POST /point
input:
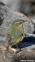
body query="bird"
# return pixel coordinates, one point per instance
(14, 33)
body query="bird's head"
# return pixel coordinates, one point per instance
(18, 22)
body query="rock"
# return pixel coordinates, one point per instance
(27, 53)
(7, 17)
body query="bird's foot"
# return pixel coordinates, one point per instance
(7, 48)
(18, 50)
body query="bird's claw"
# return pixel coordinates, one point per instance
(18, 50)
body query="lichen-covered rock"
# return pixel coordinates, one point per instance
(27, 53)
(7, 16)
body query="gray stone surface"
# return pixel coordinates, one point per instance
(8, 16)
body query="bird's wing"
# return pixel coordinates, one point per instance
(16, 36)
(14, 33)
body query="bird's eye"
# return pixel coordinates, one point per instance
(19, 22)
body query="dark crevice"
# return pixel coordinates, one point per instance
(34, 32)
(1, 3)
(1, 21)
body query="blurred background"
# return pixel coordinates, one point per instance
(26, 7)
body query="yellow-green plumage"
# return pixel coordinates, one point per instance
(15, 31)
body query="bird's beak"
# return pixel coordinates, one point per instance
(22, 21)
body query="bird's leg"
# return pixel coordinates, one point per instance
(18, 49)
(34, 29)
(7, 48)
(9, 38)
